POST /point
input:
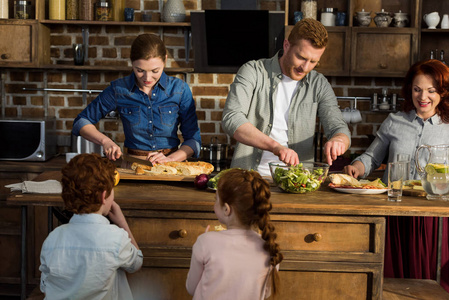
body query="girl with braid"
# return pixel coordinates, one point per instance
(237, 263)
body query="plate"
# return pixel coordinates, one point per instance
(361, 191)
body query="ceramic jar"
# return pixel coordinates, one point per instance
(363, 18)
(432, 19)
(174, 11)
(400, 19)
(445, 22)
(382, 19)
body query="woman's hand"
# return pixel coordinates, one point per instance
(355, 170)
(112, 150)
(158, 158)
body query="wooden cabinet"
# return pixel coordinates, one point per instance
(25, 43)
(31, 49)
(334, 251)
(366, 51)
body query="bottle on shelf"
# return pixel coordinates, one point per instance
(4, 9)
(442, 56)
(432, 54)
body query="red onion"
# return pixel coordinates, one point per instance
(201, 181)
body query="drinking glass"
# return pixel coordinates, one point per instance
(405, 158)
(396, 173)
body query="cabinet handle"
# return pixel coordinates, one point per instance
(317, 237)
(383, 66)
(5, 56)
(182, 233)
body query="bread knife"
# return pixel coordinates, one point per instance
(133, 159)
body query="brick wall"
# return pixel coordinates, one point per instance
(110, 45)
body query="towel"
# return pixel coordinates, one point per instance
(37, 187)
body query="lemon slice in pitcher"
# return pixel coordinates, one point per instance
(430, 169)
(439, 168)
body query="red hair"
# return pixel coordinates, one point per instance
(439, 72)
(84, 179)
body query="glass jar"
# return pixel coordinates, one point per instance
(72, 10)
(22, 9)
(103, 11)
(309, 8)
(86, 10)
(4, 8)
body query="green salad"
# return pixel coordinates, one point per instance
(298, 180)
(213, 182)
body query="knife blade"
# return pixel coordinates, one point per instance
(133, 159)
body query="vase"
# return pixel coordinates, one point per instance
(174, 11)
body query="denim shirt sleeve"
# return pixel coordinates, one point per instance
(189, 121)
(97, 109)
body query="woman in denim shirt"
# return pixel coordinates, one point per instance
(151, 105)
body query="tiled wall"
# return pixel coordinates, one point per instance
(109, 45)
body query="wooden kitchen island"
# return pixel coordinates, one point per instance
(333, 243)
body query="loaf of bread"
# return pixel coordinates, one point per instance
(174, 168)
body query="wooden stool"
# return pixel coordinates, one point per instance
(406, 289)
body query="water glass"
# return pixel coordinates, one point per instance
(397, 171)
(405, 158)
(78, 54)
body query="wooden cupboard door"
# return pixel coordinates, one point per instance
(336, 58)
(12, 48)
(377, 53)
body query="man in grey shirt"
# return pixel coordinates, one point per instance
(273, 104)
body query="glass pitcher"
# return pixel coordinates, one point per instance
(435, 174)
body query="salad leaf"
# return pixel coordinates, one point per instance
(213, 182)
(297, 179)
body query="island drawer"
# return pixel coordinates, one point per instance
(331, 238)
(171, 230)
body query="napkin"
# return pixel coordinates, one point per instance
(37, 187)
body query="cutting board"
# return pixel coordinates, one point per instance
(128, 174)
(415, 193)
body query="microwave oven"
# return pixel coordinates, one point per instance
(27, 139)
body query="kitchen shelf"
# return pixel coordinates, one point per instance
(111, 23)
(438, 30)
(97, 68)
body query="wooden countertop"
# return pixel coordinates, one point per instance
(53, 164)
(182, 196)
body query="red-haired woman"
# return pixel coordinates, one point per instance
(411, 247)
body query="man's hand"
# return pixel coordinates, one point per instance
(286, 155)
(332, 149)
(336, 146)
